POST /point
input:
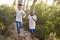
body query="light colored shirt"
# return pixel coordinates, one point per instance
(32, 23)
(19, 14)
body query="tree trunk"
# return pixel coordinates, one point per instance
(27, 4)
(58, 1)
(24, 4)
(20, 1)
(33, 8)
(14, 3)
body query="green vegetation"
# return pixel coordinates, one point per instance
(6, 19)
(48, 20)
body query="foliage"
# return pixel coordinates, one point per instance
(48, 20)
(6, 19)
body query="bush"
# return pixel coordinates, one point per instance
(48, 20)
(6, 19)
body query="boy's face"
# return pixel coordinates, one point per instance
(19, 7)
(32, 14)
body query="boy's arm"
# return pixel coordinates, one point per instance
(35, 19)
(24, 15)
(14, 13)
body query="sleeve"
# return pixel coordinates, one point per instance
(23, 12)
(35, 17)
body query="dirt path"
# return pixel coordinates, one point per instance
(24, 33)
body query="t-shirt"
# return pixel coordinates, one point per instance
(19, 14)
(32, 23)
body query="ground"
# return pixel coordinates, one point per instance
(24, 33)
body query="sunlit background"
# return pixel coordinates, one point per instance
(10, 2)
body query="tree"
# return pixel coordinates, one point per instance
(58, 1)
(6, 20)
(33, 5)
(48, 20)
(19, 2)
(24, 4)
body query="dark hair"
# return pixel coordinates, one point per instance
(32, 11)
(19, 4)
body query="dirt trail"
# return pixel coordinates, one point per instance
(23, 32)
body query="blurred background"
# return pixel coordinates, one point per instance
(48, 14)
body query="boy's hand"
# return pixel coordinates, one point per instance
(14, 15)
(34, 19)
(24, 15)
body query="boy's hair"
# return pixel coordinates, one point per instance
(19, 4)
(32, 11)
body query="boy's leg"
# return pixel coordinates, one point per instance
(18, 27)
(19, 24)
(32, 33)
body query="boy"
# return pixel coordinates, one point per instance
(32, 23)
(19, 13)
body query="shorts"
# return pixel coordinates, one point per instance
(32, 30)
(19, 24)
